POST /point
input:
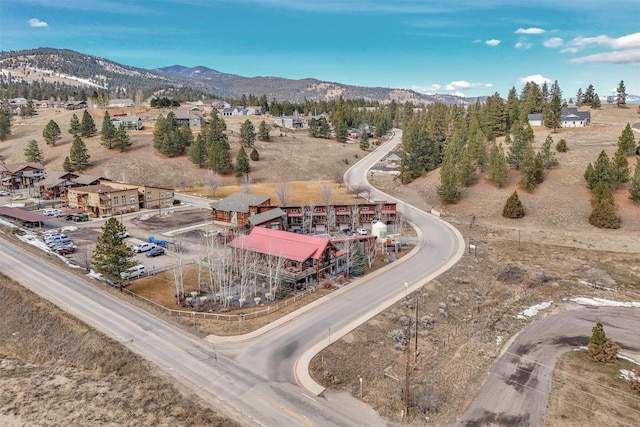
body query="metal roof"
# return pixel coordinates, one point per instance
(239, 202)
(22, 215)
(284, 244)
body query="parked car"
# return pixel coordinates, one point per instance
(80, 217)
(51, 212)
(4, 193)
(52, 237)
(143, 247)
(362, 231)
(69, 217)
(58, 241)
(133, 272)
(158, 250)
(66, 250)
(123, 234)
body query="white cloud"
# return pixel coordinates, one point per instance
(570, 50)
(535, 78)
(492, 42)
(630, 56)
(35, 22)
(530, 31)
(462, 84)
(523, 45)
(458, 93)
(553, 42)
(427, 90)
(625, 42)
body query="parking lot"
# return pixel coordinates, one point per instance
(184, 227)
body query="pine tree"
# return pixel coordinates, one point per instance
(220, 158)
(87, 126)
(67, 166)
(121, 140)
(498, 170)
(552, 112)
(51, 133)
(198, 151)
(596, 104)
(579, 97)
(530, 170)
(600, 171)
(448, 190)
(242, 163)
(314, 131)
(626, 140)
(513, 208)
(522, 141)
(112, 256)
(254, 156)
(364, 140)
(634, 186)
(621, 99)
(108, 131)
(561, 146)
(32, 152)
(5, 123)
(263, 132)
(340, 129)
(601, 192)
(604, 215)
(358, 261)
(28, 110)
(325, 130)
(589, 96)
(548, 157)
(79, 155)
(601, 348)
(466, 169)
(247, 134)
(74, 125)
(620, 171)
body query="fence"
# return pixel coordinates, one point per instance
(218, 316)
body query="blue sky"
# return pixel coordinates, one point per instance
(464, 47)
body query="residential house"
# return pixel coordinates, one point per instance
(191, 116)
(236, 209)
(291, 122)
(126, 122)
(272, 218)
(123, 103)
(392, 159)
(76, 105)
(56, 183)
(16, 176)
(254, 110)
(307, 259)
(570, 117)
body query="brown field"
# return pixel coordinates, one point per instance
(543, 256)
(591, 393)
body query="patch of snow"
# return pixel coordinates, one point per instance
(584, 282)
(499, 339)
(601, 302)
(627, 358)
(625, 374)
(533, 310)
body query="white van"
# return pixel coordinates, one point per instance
(51, 212)
(134, 272)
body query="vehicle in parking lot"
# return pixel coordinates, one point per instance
(143, 247)
(4, 193)
(133, 272)
(123, 234)
(362, 231)
(158, 250)
(66, 250)
(52, 237)
(51, 212)
(80, 217)
(59, 241)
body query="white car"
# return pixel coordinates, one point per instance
(4, 193)
(51, 212)
(362, 231)
(143, 247)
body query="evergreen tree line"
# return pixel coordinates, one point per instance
(607, 174)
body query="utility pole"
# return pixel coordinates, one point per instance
(415, 360)
(406, 376)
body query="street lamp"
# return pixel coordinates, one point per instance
(360, 378)
(406, 289)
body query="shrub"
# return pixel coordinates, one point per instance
(513, 208)
(561, 146)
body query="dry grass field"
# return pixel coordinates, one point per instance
(469, 310)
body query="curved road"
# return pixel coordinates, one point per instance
(257, 383)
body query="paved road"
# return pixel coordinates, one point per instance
(257, 384)
(517, 389)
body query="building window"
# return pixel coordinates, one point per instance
(124, 199)
(149, 195)
(132, 198)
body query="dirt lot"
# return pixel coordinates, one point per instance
(469, 312)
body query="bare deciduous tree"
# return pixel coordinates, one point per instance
(283, 192)
(326, 190)
(246, 184)
(213, 181)
(361, 191)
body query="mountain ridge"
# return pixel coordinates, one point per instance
(82, 69)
